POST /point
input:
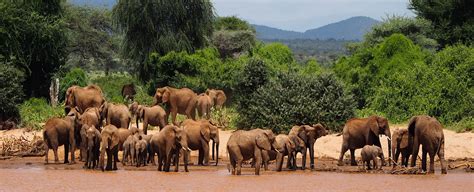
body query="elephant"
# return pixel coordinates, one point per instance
(129, 150)
(203, 106)
(401, 144)
(182, 101)
(128, 92)
(218, 97)
(58, 132)
(167, 144)
(154, 116)
(198, 134)
(359, 132)
(285, 147)
(90, 117)
(428, 132)
(370, 153)
(309, 134)
(109, 144)
(83, 98)
(245, 145)
(300, 147)
(116, 114)
(93, 139)
(141, 151)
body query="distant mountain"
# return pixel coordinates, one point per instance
(353, 28)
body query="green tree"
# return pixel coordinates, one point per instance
(161, 26)
(32, 38)
(233, 36)
(277, 56)
(76, 76)
(11, 92)
(453, 20)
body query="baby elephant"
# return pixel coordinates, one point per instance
(141, 151)
(92, 147)
(370, 153)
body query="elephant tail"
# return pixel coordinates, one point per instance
(46, 139)
(228, 164)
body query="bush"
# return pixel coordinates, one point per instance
(277, 56)
(36, 111)
(292, 99)
(112, 84)
(11, 92)
(254, 75)
(75, 76)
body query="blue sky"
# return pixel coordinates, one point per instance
(300, 15)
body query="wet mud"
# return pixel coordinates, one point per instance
(31, 174)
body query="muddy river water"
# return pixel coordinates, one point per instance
(32, 175)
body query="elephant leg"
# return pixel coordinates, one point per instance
(303, 160)
(414, 155)
(55, 151)
(205, 152)
(258, 161)
(423, 159)
(200, 157)
(176, 161)
(124, 156)
(311, 156)
(66, 153)
(160, 162)
(233, 164)
(168, 162)
(432, 158)
(279, 162)
(115, 159)
(353, 161)
(397, 154)
(174, 112)
(46, 149)
(109, 160)
(145, 125)
(344, 149)
(441, 158)
(239, 159)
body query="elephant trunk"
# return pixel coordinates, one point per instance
(217, 153)
(389, 151)
(213, 144)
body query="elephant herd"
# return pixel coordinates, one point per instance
(99, 129)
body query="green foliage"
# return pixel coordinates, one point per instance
(161, 27)
(233, 36)
(76, 76)
(254, 75)
(11, 93)
(36, 111)
(226, 117)
(93, 42)
(311, 67)
(452, 20)
(277, 56)
(112, 84)
(292, 99)
(32, 41)
(416, 29)
(466, 124)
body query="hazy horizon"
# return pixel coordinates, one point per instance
(301, 15)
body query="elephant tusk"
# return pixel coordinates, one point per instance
(389, 139)
(189, 149)
(277, 151)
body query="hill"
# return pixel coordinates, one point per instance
(353, 28)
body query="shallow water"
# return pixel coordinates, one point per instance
(34, 176)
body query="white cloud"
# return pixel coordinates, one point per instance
(300, 15)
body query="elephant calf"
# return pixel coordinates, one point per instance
(370, 153)
(109, 144)
(141, 151)
(245, 145)
(129, 150)
(93, 140)
(284, 147)
(401, 144)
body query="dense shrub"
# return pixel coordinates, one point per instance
(76, 76)
(11, 92)
(36, 111)
(254, 75)
(277, 56)
(293, 99)
(112, 87)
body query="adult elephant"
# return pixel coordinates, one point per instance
(359, 132)
(218, 97)
(154, 116)
(309, 134)
(182, 101)
(401, 144)
(245, 145)
(428, 132)
(83, 98)
(116, 114)
(203, 106)
(167, 144)
(199, 133)
(57, 132)
(110, 145)
(128, 92)
(90, 117)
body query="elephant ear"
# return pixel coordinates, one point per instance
(404, 140)
(141, 111)
(290, 145)
(395, 137)
(166, 95)
(205, 132)
(263, 142)
(115, 138)
(221, 98)
(374, 125)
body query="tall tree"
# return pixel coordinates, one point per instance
(453, 20)
(32, 38)
(233, 36)
(161, 26)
